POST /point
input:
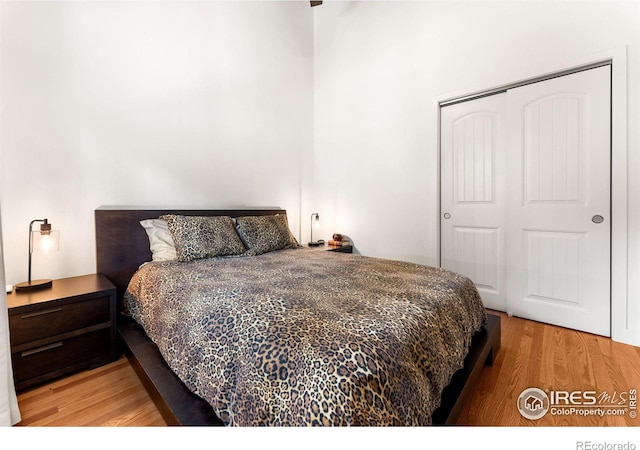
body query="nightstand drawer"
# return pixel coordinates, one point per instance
(54, 320)
(60, 357)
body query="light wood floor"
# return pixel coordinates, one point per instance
(111, 395)
(532, 355)
(551, 358)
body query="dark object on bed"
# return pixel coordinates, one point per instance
(122, 246)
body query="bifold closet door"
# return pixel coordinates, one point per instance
(525, 199)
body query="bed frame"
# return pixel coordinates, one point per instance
(122, 246)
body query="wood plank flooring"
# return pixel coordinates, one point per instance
(554, 359)
(532, 355)
(111, 395)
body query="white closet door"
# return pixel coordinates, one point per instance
(525, 199)
(559, 201)
(473, 194)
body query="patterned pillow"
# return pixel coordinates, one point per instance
(262, 234)
(199, 237)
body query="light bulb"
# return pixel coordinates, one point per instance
(46, 243)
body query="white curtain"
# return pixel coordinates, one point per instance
(9, 412)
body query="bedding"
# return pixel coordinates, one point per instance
(298, 337)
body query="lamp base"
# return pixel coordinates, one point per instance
(33, 284)
(315, 244)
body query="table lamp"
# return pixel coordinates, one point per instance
(46, 240)
(315, 223)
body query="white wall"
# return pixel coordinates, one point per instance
(148, 103)
(246, 103)
(381, 67)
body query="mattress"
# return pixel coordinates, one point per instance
(299, 337)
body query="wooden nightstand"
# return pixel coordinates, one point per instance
(68, 327)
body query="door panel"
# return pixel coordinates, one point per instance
(553, 264)
(476, 256)
(554, 138)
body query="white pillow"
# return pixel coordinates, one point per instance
(160, 241)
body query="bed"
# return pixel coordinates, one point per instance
(294, 336)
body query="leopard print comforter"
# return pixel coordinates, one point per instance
(300, 337)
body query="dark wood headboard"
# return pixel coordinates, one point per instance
(122, 244)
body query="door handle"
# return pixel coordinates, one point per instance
(597, 219)
(447, 216)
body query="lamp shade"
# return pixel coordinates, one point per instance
(46, 242)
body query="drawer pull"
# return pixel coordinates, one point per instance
(41, 313)
(44, 348)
